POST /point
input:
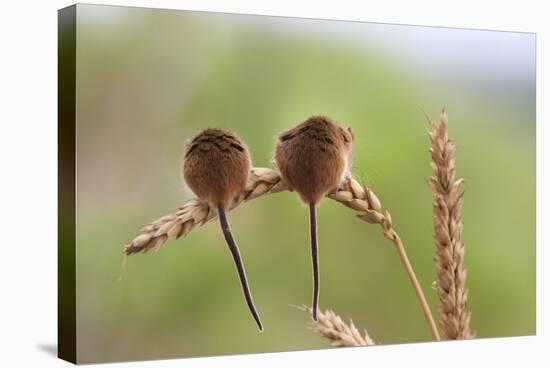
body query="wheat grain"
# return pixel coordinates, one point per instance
(332, 327)
(449, 258)
(195, 213)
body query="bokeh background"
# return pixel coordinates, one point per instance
(149, 79)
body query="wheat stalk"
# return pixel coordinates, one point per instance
(265, 181)
(195, 213)
(361, 198)
(449, 258)
(332, 327)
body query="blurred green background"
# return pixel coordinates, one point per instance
(149, 79)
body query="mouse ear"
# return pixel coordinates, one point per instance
(351, 132)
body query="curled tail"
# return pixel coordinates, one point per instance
(314, 258)
(226, 229)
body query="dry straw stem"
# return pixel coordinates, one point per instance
(449, 257)
(265, 181)
(332, 327)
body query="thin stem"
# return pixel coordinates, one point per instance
(416, 285)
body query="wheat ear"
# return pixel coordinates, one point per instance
(449, 257)
(195, 213)
(265, 181)
(332, 327)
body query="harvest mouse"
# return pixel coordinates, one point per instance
(314, 158)
(216, 167)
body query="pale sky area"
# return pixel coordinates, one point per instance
(507, 58)
(495, 55)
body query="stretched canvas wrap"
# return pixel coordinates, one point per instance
(234, 184)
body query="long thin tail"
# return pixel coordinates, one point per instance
(226, 229)
(314, 258)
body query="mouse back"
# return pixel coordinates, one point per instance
(314, 157)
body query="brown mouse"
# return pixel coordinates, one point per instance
(216, 167)
(314, 158)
